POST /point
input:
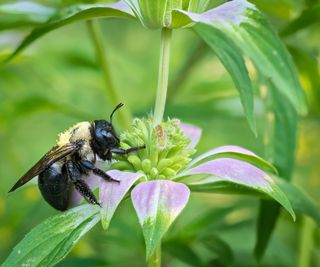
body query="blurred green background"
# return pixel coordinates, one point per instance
(56, 82)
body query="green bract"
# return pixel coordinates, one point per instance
(158, 13)
(166, 153)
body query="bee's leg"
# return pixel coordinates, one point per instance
(84, 190)
(121, 151)
(87, 164)
(104, 176)
(90, 166)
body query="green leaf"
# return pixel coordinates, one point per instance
(183, 251)
(300, 201)
(310, 76)
(269, 211)
(307, 18)
(73, 14)
(267, 218)
(219, 247)
(52, 240)
(23, 14)
(230, 56)
(240, 23)
(281, 122)
(281, 130)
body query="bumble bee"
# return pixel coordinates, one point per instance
(75, 154)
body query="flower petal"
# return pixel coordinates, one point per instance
(112, 193)
(224, 174)
(236, 152)
(92, 181)
(192, 132)
(157, 204)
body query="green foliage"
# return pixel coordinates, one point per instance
(52, 240)
(230, 56)
(56, 83)
(306, 19)
(70, 15)
(15, 15)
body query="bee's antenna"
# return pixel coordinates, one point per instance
(116, 108)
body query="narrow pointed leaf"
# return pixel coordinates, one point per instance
(307, 18)
(301, 202)
(183, 251)
(267, 219)
(192, 132)
(282, 135)
(231, 57)
(235, 176)
(112, 193)
(52, 240)
(269, 212)
(235, 152)
(240, 23)
(72, 14)
(157, 204)
(23, 14)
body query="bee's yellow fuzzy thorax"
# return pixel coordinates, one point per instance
(79, 131)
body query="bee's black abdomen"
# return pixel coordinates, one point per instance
(55, 188)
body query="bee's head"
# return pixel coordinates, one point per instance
(104, 136)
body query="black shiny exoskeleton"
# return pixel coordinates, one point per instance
(74, 157)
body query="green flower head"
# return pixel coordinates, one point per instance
(166, 153)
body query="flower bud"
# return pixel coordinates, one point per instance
(135, 161)
(146, 165)
(169, 173)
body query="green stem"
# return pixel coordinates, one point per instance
(306, 242)
(100, 50)
(163, 76)
(155, 259)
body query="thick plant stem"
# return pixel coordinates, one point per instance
(97, 39)
(155, 259)
(306, 242)
(163, 76)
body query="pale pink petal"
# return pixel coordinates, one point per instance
(222, 149)
(192, 132)
(235, 152)
(111, 193)
(157, 204)
(225, 174)
(233, 170)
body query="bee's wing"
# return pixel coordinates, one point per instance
(55, 154)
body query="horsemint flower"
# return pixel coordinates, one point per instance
(163, 174)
